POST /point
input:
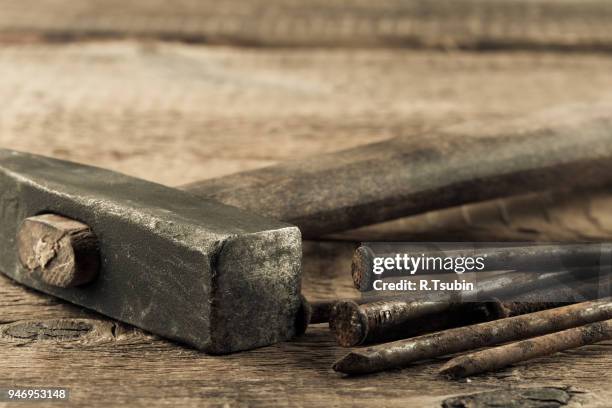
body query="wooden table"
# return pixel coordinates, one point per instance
(175, 113)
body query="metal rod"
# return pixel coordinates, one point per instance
(390, 319)
(353, 324)
(532, 257)
(403, 352)
(502, 356)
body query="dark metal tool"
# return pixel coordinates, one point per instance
(189, 269)
(222, 279)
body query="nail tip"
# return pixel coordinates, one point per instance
(452, 372)
(343, 365)
(352, 363)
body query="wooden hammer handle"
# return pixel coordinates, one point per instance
(471, 162)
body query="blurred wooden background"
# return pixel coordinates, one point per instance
(178, 91)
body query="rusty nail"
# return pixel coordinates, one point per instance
(401, 317)
(533, 257)
(403, 352)
(499, 357)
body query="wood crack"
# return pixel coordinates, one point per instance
(540, 397)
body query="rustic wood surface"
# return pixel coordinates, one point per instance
(444, 24)
(177, 113)
(566, 215)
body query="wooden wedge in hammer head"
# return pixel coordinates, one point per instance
(190, 269)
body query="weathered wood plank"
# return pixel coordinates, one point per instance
(471, 24)
(567, 215)
(197, 112)
(110, 363)
(193, 112)
(217, 111)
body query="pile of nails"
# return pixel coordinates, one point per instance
(410, 330)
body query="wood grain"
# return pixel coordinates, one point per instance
(539, 397)
(63, 251)
(176, 113)
(194, 112)
(444, 24)
(110, 362)
(566, 215)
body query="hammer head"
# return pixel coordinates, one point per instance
(193, 270)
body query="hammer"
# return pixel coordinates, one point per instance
(183, 264)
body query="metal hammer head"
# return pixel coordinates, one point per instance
(189, 269)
